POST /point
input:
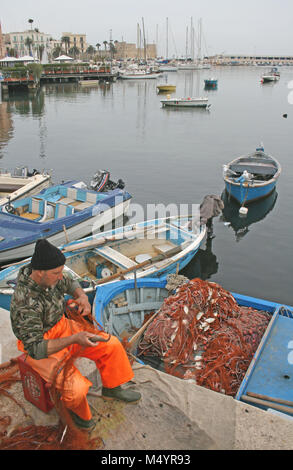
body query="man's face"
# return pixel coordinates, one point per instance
(50, 277)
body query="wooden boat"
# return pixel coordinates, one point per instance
(121, 309)
(251, 177)
(267, 381)
(149, 248)
(272, 76)
(186, 102)
(21, 183)
(166, 88)
(60, 213)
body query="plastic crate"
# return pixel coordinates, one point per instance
(35, 388)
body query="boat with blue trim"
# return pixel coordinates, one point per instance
(59, 213)
(251, 177)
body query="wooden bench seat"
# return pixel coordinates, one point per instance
(116, 257)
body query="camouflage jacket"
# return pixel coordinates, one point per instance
(34, 310)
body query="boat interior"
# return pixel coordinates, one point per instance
(131, 308)
(261, 168)
(112, 258)
(55, 203)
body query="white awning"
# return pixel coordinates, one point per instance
(63, 58)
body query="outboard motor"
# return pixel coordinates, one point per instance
(101, 182)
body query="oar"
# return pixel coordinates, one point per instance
(160, 257)
(132, 342)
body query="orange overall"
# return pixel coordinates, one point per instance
(110, 358)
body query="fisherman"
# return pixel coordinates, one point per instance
(46, 335)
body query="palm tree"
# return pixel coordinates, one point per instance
(29, 42)
(74, 51)
(31, 22)
(90, 51)
(40, 49)
(66, 41)
(57, 51)
(98, 45)
(105, 44)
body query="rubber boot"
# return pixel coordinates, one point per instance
(118, 393)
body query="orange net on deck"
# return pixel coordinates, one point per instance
(201, 333)
(64, 436)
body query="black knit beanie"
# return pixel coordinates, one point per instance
(46, 256)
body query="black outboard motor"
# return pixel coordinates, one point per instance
(101, 182)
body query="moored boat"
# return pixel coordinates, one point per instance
(61, 213)
(211, 83)
(166, 88)
(272, 76)
(251, 177)
(186, 102)
(21, 183)
(149, 248)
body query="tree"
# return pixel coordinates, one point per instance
(29, 42)
(66, 41)
(98, 45)
(90, 51)
(74, 51)
(105, 44)
(57, 51)
(40, 50)
(31, 22)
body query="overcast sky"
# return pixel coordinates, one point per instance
(229, 26)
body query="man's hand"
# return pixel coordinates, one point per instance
(83, 338)
(84, 307)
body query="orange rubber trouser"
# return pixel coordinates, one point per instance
(110, 358)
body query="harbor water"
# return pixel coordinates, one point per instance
(173, 156)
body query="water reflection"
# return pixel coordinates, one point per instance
(204, 264)
(6, 126)
(256, 212)
(25, 103)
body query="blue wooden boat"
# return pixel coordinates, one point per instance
(121, 308)
(211, 83)
(268, 381)
(150, 248)
(251, 177)
(60, 213)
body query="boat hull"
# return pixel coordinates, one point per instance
(185, 103)
(247, 194)
(76, 231)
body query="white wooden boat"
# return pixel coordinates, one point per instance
(151, 248)
(186, 102)
(139, 75)
(272, 76)
(21, 183)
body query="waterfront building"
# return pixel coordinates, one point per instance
(74, 40)
(2, 44)
(30, 42)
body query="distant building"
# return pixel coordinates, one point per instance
(75, 40)
(126, 50)
(2, 44)
(250, 60)
(17, 42)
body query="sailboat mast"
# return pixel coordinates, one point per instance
(167, 54)
(144, 44)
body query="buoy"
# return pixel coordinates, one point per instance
(243, 211)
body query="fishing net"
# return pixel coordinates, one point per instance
(64, 436)
(201, 333)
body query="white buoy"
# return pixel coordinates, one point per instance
(243, 211)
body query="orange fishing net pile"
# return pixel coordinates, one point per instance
(201, 333)
(64, 436)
